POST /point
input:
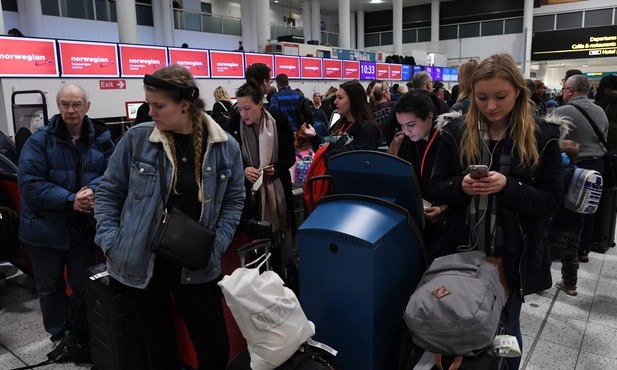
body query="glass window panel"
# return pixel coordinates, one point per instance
(10, 6)
(424, 34)
(409, 36)
(297, 32)
(371, 39)
(192, 21)
(544, 23)
(387, 38)
(600, 17)
(469, 30)
(211, 24)
(449, 32)
(105, 10)
(514, 25)
(49, 7)
(569, 20)
(79, 9)
(144, 15)
(492, 28)
(206, 8)
(232, 26)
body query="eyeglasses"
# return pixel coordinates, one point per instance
(76, 106)
(567, 88)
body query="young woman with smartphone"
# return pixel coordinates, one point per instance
(505, 212)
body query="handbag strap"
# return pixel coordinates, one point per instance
(161, 174)
(594, 126)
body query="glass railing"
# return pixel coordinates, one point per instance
(205, 22)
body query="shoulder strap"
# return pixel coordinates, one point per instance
(593, 125)
(161, 174)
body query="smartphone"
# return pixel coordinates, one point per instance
(477, 171)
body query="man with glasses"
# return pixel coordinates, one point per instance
(423, 81)
(60, 167)
(575, 90)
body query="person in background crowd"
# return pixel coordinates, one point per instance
(540, 97)
(465, 71)
(569, 73)
(369, 92)
(423, 81)
(316, 100)
(454, 95)
(564, 232)
(575, 92)
(394, 94)
(539, 105)
(60, 168)
(222, 100)
(142, 114)
(504, 213)
(327, 103)
(202, 172)
(606, 98)
(383, 105)
(15, 33)
(356, 118)
(286, 101)
(592, 91)
(417, 143)
(267, 152)
(185, 45)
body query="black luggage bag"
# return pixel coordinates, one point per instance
(114, 339)
(604, 222)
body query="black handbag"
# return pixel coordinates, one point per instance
(609, 175)
(179, 237)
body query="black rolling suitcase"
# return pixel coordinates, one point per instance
(604, 222)
(114, 339)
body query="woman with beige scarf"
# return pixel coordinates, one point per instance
(267, 153)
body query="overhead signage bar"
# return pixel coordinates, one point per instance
(88, 59)
(137, 60)
(289, 65)
(590, 42)
(227, 64)
(252, 58)
(26, 57)
(311, 68)
(196, 61)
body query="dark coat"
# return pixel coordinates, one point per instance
(287, 158)
(51, 172)
(529, 198)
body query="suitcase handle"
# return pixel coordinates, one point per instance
(254, 246)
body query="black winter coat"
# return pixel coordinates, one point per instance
(529, 198)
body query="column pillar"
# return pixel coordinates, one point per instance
(397, 26)
(307, 26)
(30, 18)
(2, 30)
(343, 24)
(248, 26)
(157, 22)
(167, 25)
(127, 21)
(316, 20)
(434, 26)
(527, 33)
(360, 29)
(352, 28)
(262, 17)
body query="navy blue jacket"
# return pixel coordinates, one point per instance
(529, 198)
(51, 172)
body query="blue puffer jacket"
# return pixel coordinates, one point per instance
(50, 174)
(128, 206)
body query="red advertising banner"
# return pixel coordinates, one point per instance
(351, 69)
(333, 68)
(227, 64)
(287, 65)
(383, 71)
(396, 72)
(196, 61)
(88, 59)
(136, 61)
(20, 56)
(267, 59)
(311, 67)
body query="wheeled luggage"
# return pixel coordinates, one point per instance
(114, 339)
(604, 222)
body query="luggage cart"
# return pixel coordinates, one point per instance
(30, 116)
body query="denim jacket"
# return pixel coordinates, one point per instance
(129, 206)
